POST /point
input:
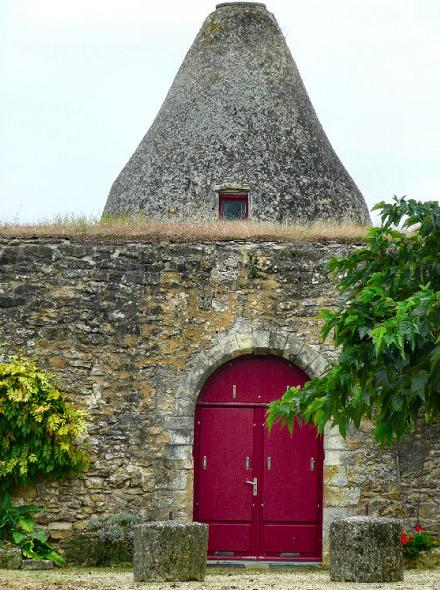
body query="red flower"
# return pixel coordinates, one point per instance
(419, 529)
(403, 539)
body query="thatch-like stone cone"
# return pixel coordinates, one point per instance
(237, 118)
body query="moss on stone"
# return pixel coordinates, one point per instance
(172, 551)
(105, 541)
(10, 558)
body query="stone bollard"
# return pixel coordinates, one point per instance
(170, 551)
(10, 558)
(37, 564)
(365, 549)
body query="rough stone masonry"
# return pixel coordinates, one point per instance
(237, 118)
(132, 329)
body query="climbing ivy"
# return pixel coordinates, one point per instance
(387, 325)
(39, 428)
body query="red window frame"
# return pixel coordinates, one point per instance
(228, 197)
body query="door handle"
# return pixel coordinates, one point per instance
(254, 484)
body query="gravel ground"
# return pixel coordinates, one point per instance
(245, 579)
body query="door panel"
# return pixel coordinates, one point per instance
(282, 538)
(225, 499)
(230, 537)
(291, 474)
(251, 379)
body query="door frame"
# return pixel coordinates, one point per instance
(259, 522)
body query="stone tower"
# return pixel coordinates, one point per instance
(237, 136)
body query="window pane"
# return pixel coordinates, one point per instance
(234, 209)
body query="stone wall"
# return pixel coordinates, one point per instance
(131, 330)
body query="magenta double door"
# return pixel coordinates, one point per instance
(260, 493)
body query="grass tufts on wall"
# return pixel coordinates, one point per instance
(174, 231)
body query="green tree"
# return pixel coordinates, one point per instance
(39, 429)
(387, 325)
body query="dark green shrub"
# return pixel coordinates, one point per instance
(18, 527)
(422, 541)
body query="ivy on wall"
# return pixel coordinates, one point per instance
(40, 431)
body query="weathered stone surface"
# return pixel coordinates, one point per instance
(10, 558)
(37, 564)
(365, 549)
(135, 352)
(237, 117)
(104, 541)
(170, 551)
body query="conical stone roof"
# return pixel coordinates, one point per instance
(237, 118)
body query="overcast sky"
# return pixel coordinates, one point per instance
(82, 80)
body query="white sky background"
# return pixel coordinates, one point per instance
(82, 80)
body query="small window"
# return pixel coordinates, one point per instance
(233, 207)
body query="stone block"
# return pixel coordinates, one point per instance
(106, 540)
(365, 549)
(60, 526)
(180, 437)
(10, 558)
(261, 340)
(318, 367)
(37, 564)
(305, 357)
(334, 442)
(335, 496)
(170, 551)
(57, 535)
(24, 492)
(293, 347)
(245, 342)
(334, 457)
(335, 476)
(184, 407)
(277, 342)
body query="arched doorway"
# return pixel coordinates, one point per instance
(260, 493)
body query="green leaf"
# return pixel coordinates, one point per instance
(418, 384)
(26, 524)
(18, 536)
(378, 335)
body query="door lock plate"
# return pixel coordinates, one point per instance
(254, 484)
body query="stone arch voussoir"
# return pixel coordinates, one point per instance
(246, 337)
